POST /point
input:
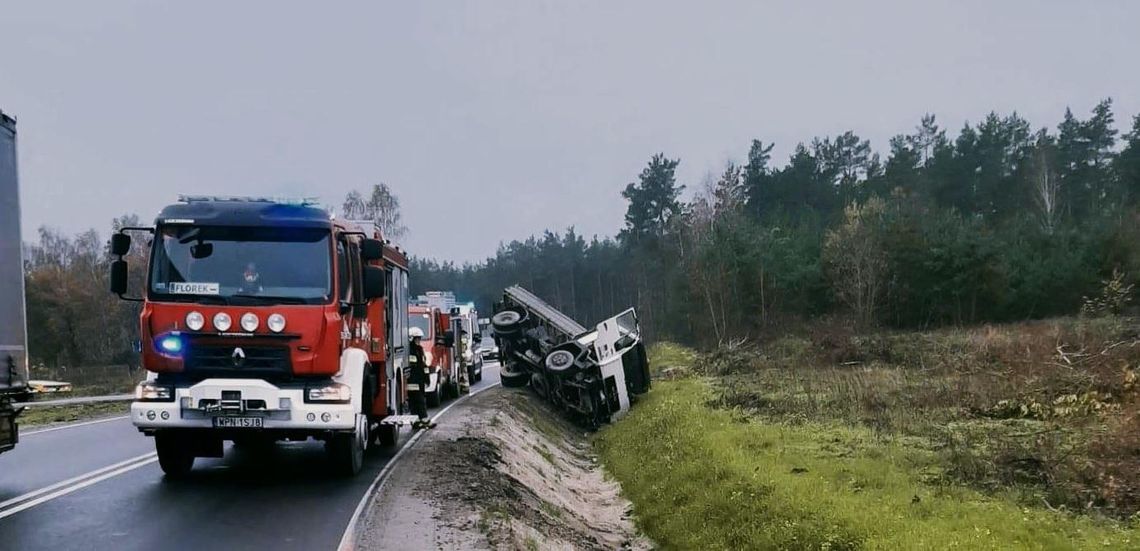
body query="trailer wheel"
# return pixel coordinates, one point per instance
(510, 379)
(174, 456)
(346, 450)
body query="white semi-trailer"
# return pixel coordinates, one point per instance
(13, 341)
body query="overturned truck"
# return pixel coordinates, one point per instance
(591, 374)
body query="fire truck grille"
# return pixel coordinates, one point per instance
(238, 361)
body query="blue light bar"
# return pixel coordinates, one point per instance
(294, 201)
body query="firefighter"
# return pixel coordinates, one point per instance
(419, 377)
(464, 361)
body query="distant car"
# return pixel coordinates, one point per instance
(489, 349)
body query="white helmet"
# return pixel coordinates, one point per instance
(416, 332)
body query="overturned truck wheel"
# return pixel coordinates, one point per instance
(513, 379)
(508, 322)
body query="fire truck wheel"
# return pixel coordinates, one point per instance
(511, 379)
(387, 435)
(435, 398)
(346, 451)
(174, 456)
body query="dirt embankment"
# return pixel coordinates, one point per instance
(500, 472)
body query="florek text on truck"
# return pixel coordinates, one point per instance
(591, 374)
(13, 345)
(267, 320)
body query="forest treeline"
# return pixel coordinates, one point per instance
(998, 222)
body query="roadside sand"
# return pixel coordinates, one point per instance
(500, 472)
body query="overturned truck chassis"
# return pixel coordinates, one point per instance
(592, 374)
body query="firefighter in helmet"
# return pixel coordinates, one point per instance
(418, 377)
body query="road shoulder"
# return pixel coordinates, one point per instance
(499, 472)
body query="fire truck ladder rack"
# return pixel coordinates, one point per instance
(548, 313)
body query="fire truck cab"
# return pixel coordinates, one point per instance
(437, 344)
(267, 320)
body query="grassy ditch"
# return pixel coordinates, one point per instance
(36, 416)
(957, 439)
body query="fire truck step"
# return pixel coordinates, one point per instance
(399, 420)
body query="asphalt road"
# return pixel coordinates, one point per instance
(94, 486)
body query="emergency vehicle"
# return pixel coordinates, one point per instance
(438, 345)
(267, 319)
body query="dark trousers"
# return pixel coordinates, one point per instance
(418, 401)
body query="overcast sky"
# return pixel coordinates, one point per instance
(495, 120)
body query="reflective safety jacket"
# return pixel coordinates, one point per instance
(419, 371)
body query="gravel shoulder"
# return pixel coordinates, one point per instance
(500, 472)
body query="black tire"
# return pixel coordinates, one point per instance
(510, 379)
(559, 361)
(174, 456)
(346, 452)
(435, 398)
(387, 435)
(508, 322)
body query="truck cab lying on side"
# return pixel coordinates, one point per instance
(267, 320)
(591, 374)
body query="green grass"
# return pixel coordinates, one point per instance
(667, 355)
(47, 415)
(702, 477)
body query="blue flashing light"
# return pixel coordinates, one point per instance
(170, 344)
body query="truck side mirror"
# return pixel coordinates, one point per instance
(119, 273)
(120, 244)
(373, 282)
(371, 249)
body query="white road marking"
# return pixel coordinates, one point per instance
(58, 489)
(74, 425)
(347, 540)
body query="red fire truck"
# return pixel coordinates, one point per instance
(267, 320)
(438, 343)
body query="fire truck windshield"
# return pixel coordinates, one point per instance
(242, 265)
(423, 321)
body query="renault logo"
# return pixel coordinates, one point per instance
(238, 356)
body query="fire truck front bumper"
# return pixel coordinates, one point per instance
(241, 404)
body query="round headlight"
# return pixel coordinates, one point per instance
(249, 322)
(276, 323)
(222, 321)
(195, 321)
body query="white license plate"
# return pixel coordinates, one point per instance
(237, 422)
